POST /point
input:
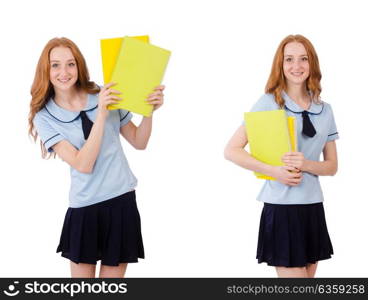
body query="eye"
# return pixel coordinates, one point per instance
(71, 64)
(288, 59)
(54, 65)
(304, 58)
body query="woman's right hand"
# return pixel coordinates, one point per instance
(106, 97)
(287, 175)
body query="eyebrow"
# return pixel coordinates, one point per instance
(293, 55)
(54, 60)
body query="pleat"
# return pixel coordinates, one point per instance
(75, 235)
(88, 239)
(293, 235)
(64, 238)
(261, 237)
(114, 237)
(314, 237)
(104, 220)
(326, 249)
(109, 231)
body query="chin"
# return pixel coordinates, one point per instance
(64, 87)
(297, 80)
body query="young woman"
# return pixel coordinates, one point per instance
(293, 234)
(69, 113)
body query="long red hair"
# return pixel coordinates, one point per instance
(42, 89)
(276, 81)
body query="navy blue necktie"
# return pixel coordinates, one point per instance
(86, 124)
(308, 128)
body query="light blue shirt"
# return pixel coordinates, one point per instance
(309, 190)
(111, 175)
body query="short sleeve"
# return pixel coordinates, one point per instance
(265, 102)
(125, 117)
(48, 135)
(332, 133)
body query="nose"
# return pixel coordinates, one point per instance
(64, 70)
(296, 64)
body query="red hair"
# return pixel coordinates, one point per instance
(276, 81)
(42, 89)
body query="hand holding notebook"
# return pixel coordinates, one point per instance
(138, 69)
(271, 134)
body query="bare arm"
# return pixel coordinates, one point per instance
(84, 159)
(139, 136)
(236, 153)
(327, 167)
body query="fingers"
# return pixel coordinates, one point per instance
(154, 102)
(295, 179)
(290, 168)
(112, 91)
(115, 97)
(109, 102)
(155, 95)
(156, 98)
(107, 86)
(108, 95)
(159, 88)
(293, 176)
(298, 175)
(293, 161)
(109, 92)
(290, 175)
(293, 184)
(111, 97)
(291, 155)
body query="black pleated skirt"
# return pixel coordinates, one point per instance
(293, 235)
(109, 231)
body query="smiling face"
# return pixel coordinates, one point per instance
(63, 69)
(295, 64)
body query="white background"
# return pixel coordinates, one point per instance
(199, 213)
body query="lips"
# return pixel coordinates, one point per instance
(64, 80)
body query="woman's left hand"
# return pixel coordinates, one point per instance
(157, 97)
(294, 159)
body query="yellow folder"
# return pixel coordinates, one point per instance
(110, 49)
(270, 134)
(139, 68)
(292, 133)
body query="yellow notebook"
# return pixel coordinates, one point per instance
(110, 49)
(292, 133)
(270, 134)
(139, 68)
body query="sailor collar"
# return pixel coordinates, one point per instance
(67, 116)
(314, 109)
